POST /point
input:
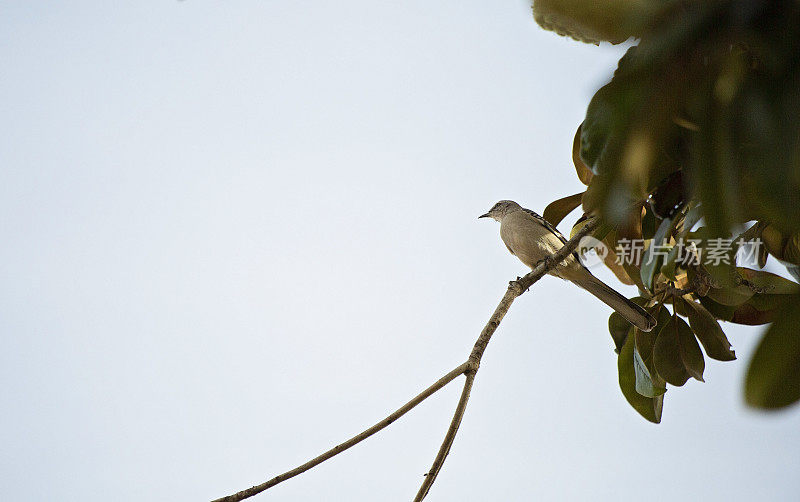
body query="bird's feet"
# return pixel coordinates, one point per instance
(544, 262)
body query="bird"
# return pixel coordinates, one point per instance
(531, 238)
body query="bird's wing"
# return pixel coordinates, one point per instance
(546, 224)
(553, 230)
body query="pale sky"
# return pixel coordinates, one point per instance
(236, 233)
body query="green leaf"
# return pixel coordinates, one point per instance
(709, 332)
(649, 224)
(693, 215)
(794, 270)
(646, 340)
(692, 356)
(651, 262)
(648, 382)
(666, 358)
(634, 272)
(773, 378)
(791, 251)
(582, 20)
(668, 268)
(718, 256)
(649, 407)
(774, 241)
(749, 315)
(718, 310)
(766, 302)
(584, 173)
(713, 179)
(644, 382)
(769, 282)
(615, 262)
(558, 209)
(605, 117)
(619, 329)
(767, 134)
(732, 296)
(676, 354)
(602, 118)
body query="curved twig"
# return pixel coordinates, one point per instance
(469, 367)
(458, 371)
(438, 462)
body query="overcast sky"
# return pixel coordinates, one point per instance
(236, 233)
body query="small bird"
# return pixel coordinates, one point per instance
(531, 238)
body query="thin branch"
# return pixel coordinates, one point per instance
(438, 462)
(350, 442)
(470, 368)
(668, 289)
(515, 289)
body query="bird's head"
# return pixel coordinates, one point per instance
(501, 209)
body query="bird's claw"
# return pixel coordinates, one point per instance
(518, 285)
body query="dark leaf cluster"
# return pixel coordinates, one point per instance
(696, 138)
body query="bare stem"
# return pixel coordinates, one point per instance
(438, 462)
(350, 442)
(470, 368)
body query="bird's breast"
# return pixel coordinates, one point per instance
(528, 239)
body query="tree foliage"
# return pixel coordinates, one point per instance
(696, 139)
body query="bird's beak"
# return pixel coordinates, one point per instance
(483, 216)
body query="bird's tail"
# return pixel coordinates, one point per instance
(635, 314)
